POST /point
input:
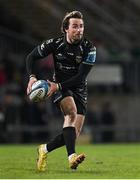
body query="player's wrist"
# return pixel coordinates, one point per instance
(59, 86)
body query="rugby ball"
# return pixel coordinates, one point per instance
(39, 91)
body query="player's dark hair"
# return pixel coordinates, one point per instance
(67, 17)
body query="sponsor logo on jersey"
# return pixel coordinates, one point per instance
(69, 53)
(62, 67)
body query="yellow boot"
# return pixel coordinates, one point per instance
(75, 160)
(42, 158)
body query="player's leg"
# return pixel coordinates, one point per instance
(68, 107)
(59, 141)
(67, 137)
(56, 142)
(81, 104)
(69, 132)
(76, 160)
(69, 110)
(63, 99)
(44, 149)
(78, 124)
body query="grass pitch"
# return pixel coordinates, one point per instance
(107, 161)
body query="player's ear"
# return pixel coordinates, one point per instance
(66, 30)
(66, 27)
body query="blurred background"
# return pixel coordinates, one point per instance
(114, 82)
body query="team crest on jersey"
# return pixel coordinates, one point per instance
(78, 59)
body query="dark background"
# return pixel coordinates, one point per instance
(114, 83)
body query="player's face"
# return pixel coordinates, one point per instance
(75, 30)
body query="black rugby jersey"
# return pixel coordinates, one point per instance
(72, 62)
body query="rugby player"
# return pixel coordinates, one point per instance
(74, 56)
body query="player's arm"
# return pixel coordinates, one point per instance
(84, 70)
(30, 63)
(38, 53)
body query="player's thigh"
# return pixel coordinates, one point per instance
(79, 123)
(68, 105)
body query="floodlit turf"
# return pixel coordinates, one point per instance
(103, 161)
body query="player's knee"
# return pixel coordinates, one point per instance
(70, 118)
(72, 115)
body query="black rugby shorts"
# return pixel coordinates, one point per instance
(80, 97)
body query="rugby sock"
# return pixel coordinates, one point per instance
(69, 138)
(70, 156)
(55, 143)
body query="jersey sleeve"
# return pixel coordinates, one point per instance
(46, 48)
(90, 57)
(38, 52)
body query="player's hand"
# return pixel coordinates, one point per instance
(53, 88)
(32, 80)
